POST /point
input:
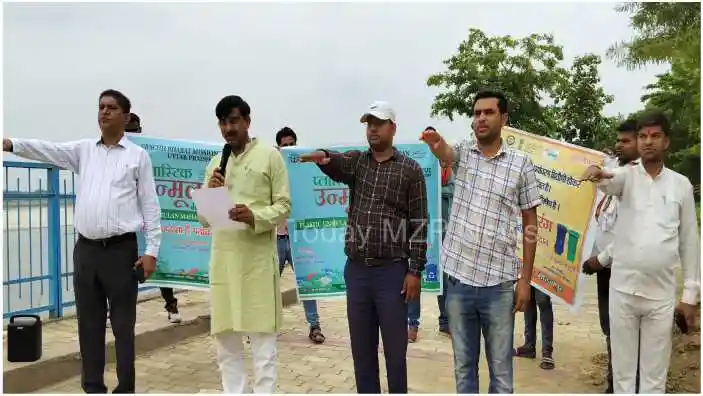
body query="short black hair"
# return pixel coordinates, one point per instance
(654, 118)
(502, 100)
(430, 128)
(285, 132)
(228, 103)
(627, 126)
(133, 117)
(119, 97)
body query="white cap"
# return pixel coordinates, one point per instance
(381, 110)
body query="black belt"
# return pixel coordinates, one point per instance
(282, 236)
(375, 261)
(109, 241)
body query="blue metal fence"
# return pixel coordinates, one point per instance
(38, 201)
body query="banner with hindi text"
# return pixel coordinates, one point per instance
(564, 240)
(179, 168)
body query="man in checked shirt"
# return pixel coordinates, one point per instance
(386, 246)
(493, 184)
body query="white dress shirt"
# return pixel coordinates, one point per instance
(115, 193)
(655, 232)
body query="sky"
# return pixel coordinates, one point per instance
(315, 67)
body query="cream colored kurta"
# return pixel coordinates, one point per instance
(244, 274)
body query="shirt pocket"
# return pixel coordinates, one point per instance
(125, 176)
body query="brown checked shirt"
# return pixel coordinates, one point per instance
(388, 217)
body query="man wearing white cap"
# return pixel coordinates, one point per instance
(388, 208)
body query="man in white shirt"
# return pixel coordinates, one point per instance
(115, 198)
(656, 230)
(605, 216)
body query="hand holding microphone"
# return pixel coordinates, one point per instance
(218, 175)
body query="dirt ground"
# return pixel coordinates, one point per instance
(684, 370)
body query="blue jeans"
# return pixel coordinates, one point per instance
(414, 308)
(284, 254)
(546, 318)
(488, 310)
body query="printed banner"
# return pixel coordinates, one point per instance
(565, 214)
(318, 221)
(179, 168)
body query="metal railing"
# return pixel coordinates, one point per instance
(38, 201)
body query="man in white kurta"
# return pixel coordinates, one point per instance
(656, 231)
(605, 218)
(244, 279)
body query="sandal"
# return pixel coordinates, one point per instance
(547, 362)
(525, 352)
(316, 335)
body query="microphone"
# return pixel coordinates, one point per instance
(226, 152)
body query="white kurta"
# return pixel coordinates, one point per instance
(656, 231)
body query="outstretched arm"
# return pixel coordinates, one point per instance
(63, 155)
(341, 166)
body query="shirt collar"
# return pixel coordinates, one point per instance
(252, 142)
(640, 168)
(501, 149)
(122, 143)
(393, 157)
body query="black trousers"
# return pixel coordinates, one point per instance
(104, 271)
(170, 300)
(374, 300)
(603, 282)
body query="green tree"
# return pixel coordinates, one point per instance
(665, 32)
(669, 33)
(582, 101)
(544, 97)
(526, 69)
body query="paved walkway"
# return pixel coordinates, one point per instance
(190, 366)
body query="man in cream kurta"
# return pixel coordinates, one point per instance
(244, 281)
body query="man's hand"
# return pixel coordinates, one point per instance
(6, 145)
(591, 266)
(411, 287)
(431, 138)
(522, 295)
(216, 180)
(319, 157)
(688, 311)
(148, 263)
(595, 173)
(242, 214)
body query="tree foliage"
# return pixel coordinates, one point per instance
(582, 101)
(670, 33)
(544, 97)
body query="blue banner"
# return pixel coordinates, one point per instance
(179, 168)
(318, 222)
